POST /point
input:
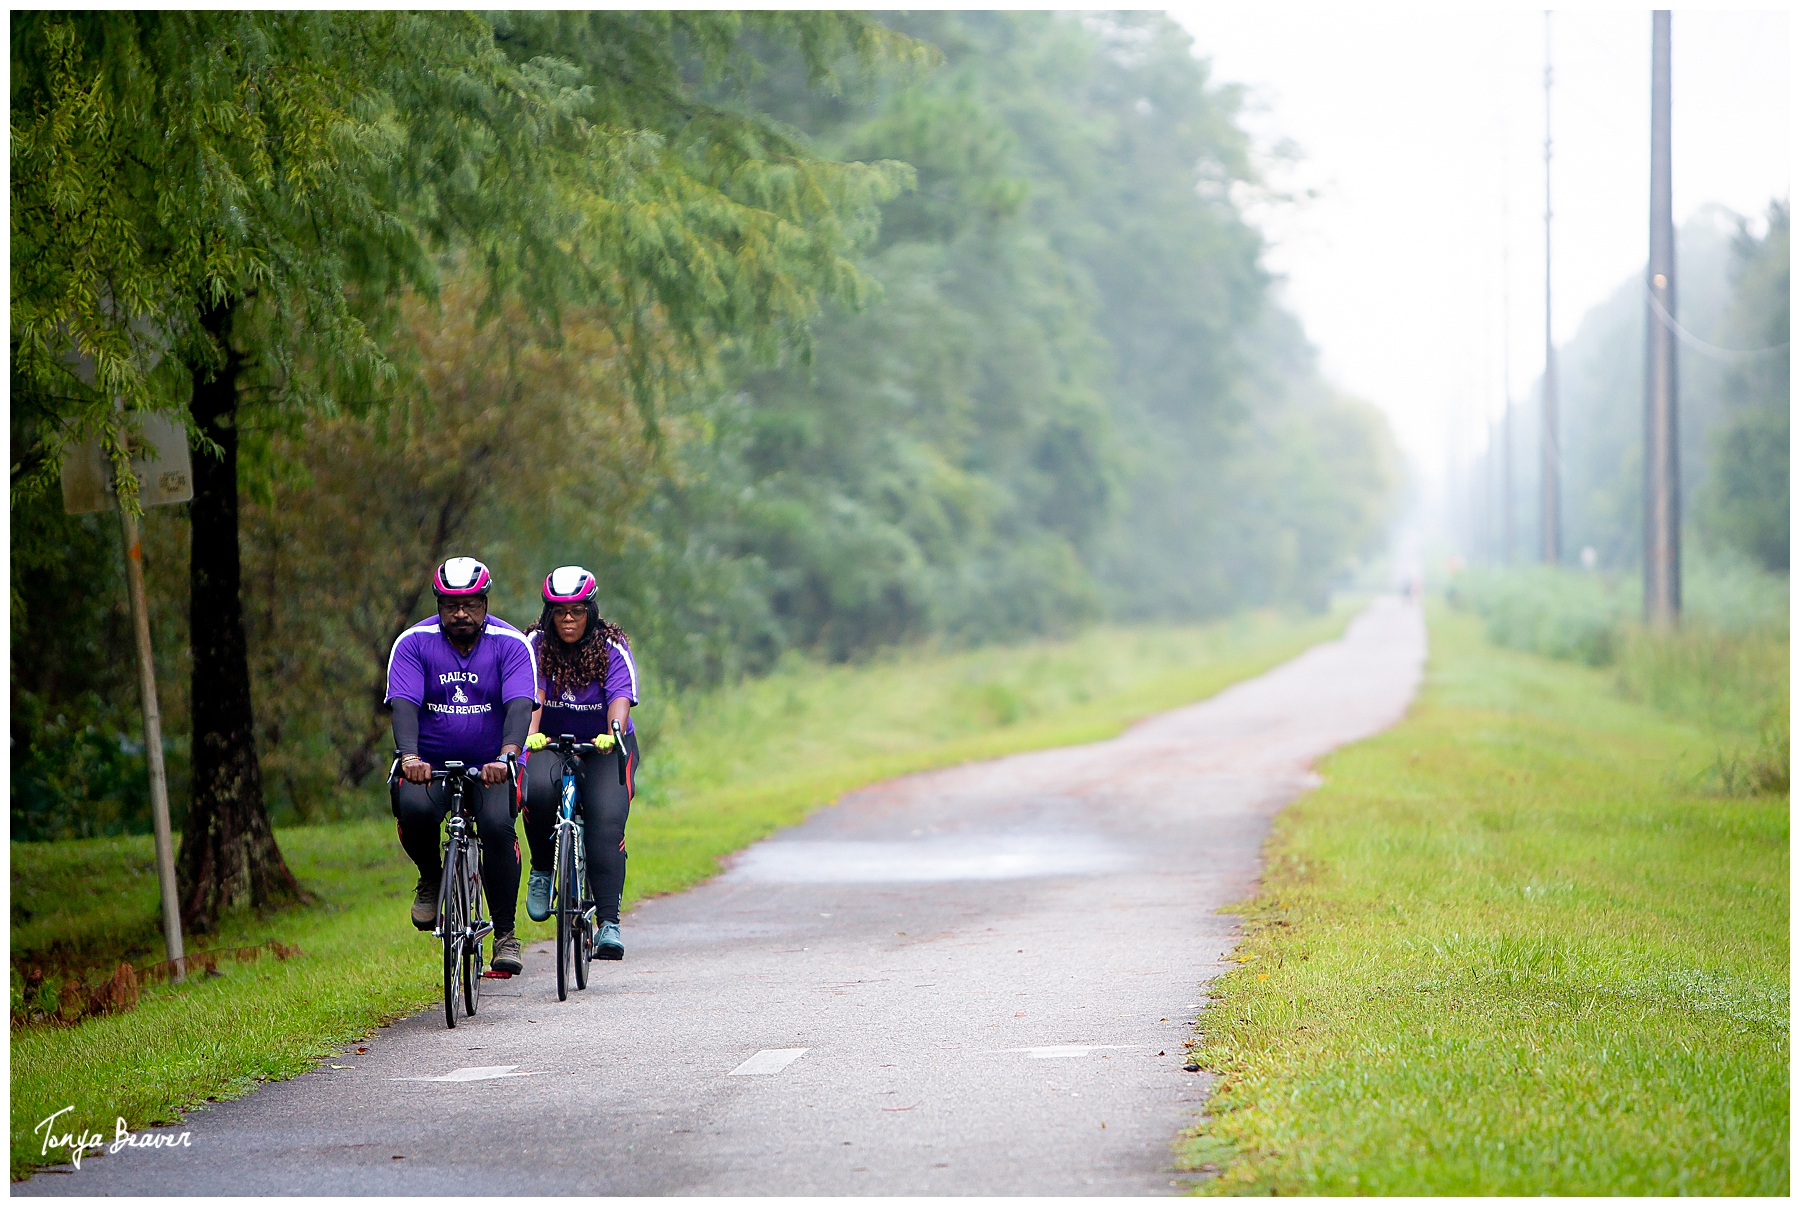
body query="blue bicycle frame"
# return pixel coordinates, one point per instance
(568, 889)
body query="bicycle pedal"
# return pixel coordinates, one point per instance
(490, 974)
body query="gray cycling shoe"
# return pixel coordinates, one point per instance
(509, 956)
(424, 906)
(607, 944)
(537, 896)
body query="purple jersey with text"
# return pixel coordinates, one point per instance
(462, 701)
(582, 710)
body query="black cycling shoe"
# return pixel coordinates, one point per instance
(424, 906)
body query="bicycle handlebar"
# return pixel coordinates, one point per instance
(566, 744)
(471, 773)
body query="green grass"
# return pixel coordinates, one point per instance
(741, 764)
(1518, 944)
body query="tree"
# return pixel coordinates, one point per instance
(497, 432)
(1075, 393)
(256, 190)
(1745, 499)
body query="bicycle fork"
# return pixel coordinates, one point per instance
(571, 819)
(468, 853)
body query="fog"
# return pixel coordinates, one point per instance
(1412, 129)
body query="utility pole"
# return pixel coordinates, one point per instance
(1506, 440)
(1662, 457)
(1552, 494)
(1491, 486)
(1452, 486)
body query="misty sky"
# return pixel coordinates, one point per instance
(1407, 123)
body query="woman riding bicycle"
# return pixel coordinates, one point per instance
(587, 681)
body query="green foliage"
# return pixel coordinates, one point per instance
(1725, 669)
(78, 767)
(1509, 948)
(797, 343)
(289, 177)
(1581, 616)
(1745, 502)
(503, 431)
(1072, 397)
(166, 164)
(1732, 398)
(1543, 610)
(1601, 395)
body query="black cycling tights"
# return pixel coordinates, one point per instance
(421, 810)
(605, 806)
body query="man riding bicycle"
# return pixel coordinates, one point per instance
(588, 683)
(462, 686)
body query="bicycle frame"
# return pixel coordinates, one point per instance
(460, 836)
(569, 887)
(460, 925)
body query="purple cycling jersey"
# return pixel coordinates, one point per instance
(462, 701)
(582, 710)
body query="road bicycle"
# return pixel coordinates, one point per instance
(460, 923)
(569, 899)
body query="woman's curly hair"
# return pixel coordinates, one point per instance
(575, 666)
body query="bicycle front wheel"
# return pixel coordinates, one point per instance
(567, 909)
(452, 915)
(471, 972)
(584, 929)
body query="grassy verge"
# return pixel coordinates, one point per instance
(742, 764)
(1520, 944)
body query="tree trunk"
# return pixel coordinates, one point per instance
(229, 859)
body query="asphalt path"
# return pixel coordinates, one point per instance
(973, 981)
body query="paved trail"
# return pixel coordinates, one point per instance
(989, 971)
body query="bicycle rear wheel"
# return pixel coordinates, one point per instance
(566, 910)
(451, 918)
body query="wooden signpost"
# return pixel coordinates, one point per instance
(164, 472)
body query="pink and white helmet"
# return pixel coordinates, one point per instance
(461, 576)
(570, 584)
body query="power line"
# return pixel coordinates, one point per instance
(1701, 346)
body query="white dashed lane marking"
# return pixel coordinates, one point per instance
(1057, 1051)
(769, 1060)
(479, 1073)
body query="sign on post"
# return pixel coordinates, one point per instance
(164, 470)
(161, 462)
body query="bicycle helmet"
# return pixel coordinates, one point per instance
(570, 584)
(461, 576)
